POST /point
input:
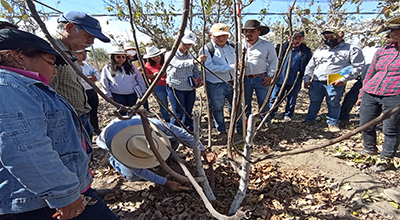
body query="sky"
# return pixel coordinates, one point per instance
(122, 28)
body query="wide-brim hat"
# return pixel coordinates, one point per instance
(153, 51)
(130, 147)
(219, 29)
(129, 46)
(117, 50)
(254, 24)
(394, 23)
(87, 22)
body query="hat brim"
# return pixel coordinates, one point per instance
(121, 152)
(97, 34)
(188, 41)
(147, 56)
(216, 34)
(263, 29)
(117, 53)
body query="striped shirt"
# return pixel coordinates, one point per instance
(66, 83)
(383, 76)
(179, 71)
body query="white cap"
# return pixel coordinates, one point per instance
(189, 38)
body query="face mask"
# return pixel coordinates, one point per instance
(332, 42)
(131, 52)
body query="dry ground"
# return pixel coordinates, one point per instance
(332, 183)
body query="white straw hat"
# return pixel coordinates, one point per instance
(130, 147)
(153, 51)
(117, 50)
(129, 46)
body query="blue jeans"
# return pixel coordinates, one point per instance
(291, 98)
(261, 92)
(161, 92)
(126, 100)
(217, 93)
(371, 107)
(86, 124)
(182, 103)
(98, 211)
(349, 100)
(317, 92)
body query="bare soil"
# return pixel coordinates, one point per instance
(331, 183)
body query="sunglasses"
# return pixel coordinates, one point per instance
(120, 57)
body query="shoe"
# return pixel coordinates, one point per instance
(271, 126)
(365, 152)
(333, 128)
(383, 164)
(287, 119)
(102, 192)
(393, 194)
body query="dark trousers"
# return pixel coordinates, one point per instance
(98, 211)
(126, 100)
(371, 107)
(93, 101)
(349, 100)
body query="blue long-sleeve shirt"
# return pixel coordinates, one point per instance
(105, 138)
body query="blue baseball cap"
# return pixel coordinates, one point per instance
(87, 22)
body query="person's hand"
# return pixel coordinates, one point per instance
(72, 210)
(210, 157)
(172, 185)
(200, 59)
(199, 84)
(358, 103)
(267, 81)
(337, 83)
(92, 78)
(307, 85)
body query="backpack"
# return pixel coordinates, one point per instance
(211, 48)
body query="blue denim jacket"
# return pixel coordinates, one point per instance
(42, 161)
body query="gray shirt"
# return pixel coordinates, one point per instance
(326, 61)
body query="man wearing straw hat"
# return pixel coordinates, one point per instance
(75, 31)
(328, 61)
(130, 152)
(260, 63)
(221, 63)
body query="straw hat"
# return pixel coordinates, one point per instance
(129, 46)
(219, 29)
(254, 24)
(153, 51)
(117, 50)
(130, 147)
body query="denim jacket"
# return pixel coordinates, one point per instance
(42, 161)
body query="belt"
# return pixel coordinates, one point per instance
(255, 75)
(322, 81)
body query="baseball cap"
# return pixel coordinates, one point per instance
(189, 37)
(14, 39)
(219, 29)
(299, 33)
(87, 22)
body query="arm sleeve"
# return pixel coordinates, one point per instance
(308, 74)
(272, 60)
(148, 175)
(105, 83)
(177, 63)
(27, 153)
(358, 63)
(370, 73)
(215, 68)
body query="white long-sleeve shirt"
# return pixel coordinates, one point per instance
(260, 58)
(121, 83)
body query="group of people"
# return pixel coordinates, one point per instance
(48, 113)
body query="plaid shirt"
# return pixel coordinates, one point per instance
(66, 83)
(383, 76)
